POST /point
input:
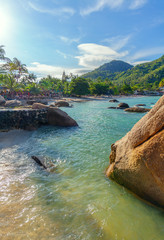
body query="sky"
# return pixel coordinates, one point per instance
(77, 36)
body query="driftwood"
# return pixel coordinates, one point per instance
(39, 161)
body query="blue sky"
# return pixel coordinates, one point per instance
(50, 36)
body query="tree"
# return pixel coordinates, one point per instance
(79, 86)
(16, 68)
(161, 84)
(9, 82)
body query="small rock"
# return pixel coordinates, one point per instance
(140, 105)
(13, 103)
(123, 105)
(113, 100)
(137, 109)
(39, 106)
(62, 104)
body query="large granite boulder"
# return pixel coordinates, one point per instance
(13, 103)
(55, 116)
(2, 100)
(62, 104)
(137, 160)
(137, 109)
(58, 117)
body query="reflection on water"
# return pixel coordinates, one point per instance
(77, 201)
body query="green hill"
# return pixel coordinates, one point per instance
(108, 70)
(119, 72)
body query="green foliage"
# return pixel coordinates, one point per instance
(33, 88)
(9, 81)
(161, 84)
(79, 86)
(145, 76)
(108, 70)
(99, 88)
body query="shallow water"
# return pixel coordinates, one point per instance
(76, 201)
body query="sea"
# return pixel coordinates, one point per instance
(73, 200)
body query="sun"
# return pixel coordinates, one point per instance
(5, 21)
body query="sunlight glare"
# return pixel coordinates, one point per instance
(4, 23)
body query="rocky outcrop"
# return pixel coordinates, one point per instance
(58, 117)
(55, 116)
(137, 160)
(62, 104)
(137, 109)
(2, 101)
(123, 105)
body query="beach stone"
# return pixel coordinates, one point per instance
(31, 102)
(123, 105)
(13, 103)
(113, 100)
(140, 105)
(62, 104)
(112, 107)
(137, 160)
(137, 109)
(39, 106)
(2, 100)
(58, 117)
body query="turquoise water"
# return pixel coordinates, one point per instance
(76, 201)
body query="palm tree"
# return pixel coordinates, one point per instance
(14, 66)
(19, 66)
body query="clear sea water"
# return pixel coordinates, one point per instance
(76, 201)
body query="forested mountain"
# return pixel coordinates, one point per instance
(108, 70)
(141, 75)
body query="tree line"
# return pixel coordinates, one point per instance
(14, 76)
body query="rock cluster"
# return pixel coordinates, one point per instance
(137, 160)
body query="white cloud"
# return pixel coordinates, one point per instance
(140, 62)
(42, 70)
(117, 42)
(93, 55)
(147, 53)
(61, 53)
(99, 5)
(135, 4)
(69, 40)
(54, 11)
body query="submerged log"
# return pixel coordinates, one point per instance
(39, 162)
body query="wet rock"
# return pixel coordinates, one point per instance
(113, 100)
(58, 117)
(62, 104)
(140, 105)
(137, 109)
(123, 105)
(137, 160)
(112, 107)
(2, 101)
